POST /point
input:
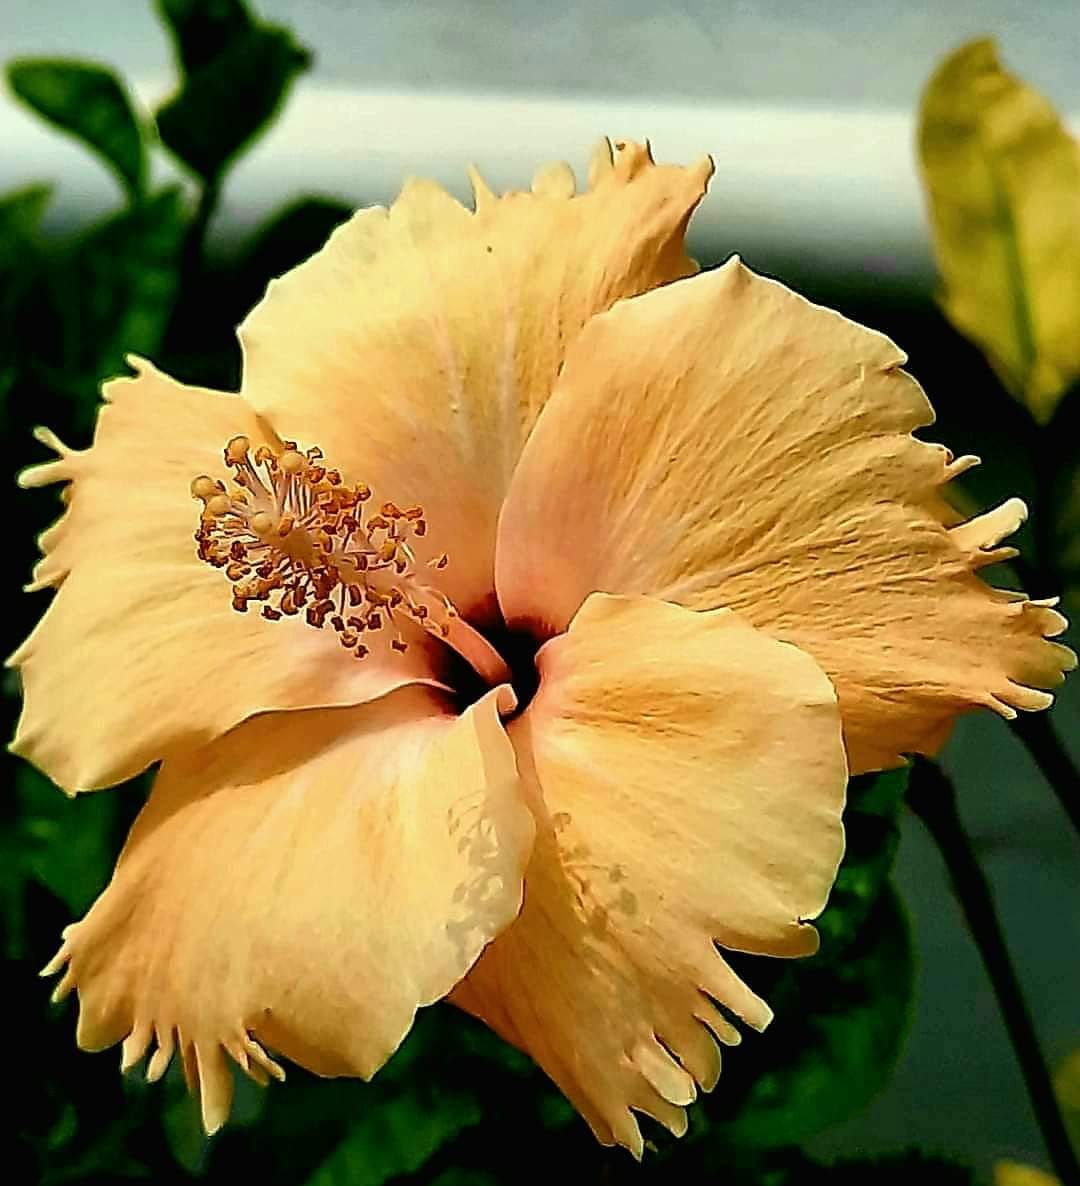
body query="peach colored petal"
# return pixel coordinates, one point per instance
(301, 886)
(424, 339)
(725, 442)
(140, 650)
(688, 780)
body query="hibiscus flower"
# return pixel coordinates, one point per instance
(516, 649)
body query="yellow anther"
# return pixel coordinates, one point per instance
(289, 533)
(205, 487)
(237, 450)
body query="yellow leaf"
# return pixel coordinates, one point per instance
(1067, 1089)
(1012, 1173)
(1002, 179)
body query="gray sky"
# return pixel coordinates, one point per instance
(869, 52)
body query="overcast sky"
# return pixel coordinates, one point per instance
(875, 52)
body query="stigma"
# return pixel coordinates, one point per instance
(293, 538)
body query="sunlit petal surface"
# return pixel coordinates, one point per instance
(688, 778)
(139, 652)
(299, 887)
(724, 442)
(424, 339)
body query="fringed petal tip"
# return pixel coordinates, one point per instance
(56, 469)
(1029, 625)
(63, 467)
(303, 885)
(669, 828)
(205, 1058)
(612, 162)
(667, 1084)
(817, 512)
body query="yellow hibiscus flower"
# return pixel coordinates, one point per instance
(546, 679)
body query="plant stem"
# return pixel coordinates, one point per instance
(1036, 731)
(195, 242)
(932, 797)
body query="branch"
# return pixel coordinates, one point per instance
(932, 797)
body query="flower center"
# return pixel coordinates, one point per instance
(291, 535)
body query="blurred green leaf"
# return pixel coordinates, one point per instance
(90, 102)
(890, 1169)
(1002, 179)
(792, 1167)
(464, 1177)
(871, 838)
(397, 1137)
(181, 1119)
(225, 102)
(65, 844)
(285, 240)
(839, 1028)
(117, 289)
(21, 212)
(201, 29)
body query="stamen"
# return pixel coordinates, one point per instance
(292, 536)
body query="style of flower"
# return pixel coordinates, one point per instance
(536, 691)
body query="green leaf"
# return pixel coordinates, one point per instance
(228, 100)
(397, 1137)
(119, 286)
(871, 838)
(890, 1169)
(1067, 1088)
(458, 1176)
(65, 844)
(792, 1167)
(286, 239)
(1002, 180)
(21, 212)
(838, 1030)
(90, 102)
(201, 29)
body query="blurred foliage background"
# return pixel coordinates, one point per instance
(455, 1105)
